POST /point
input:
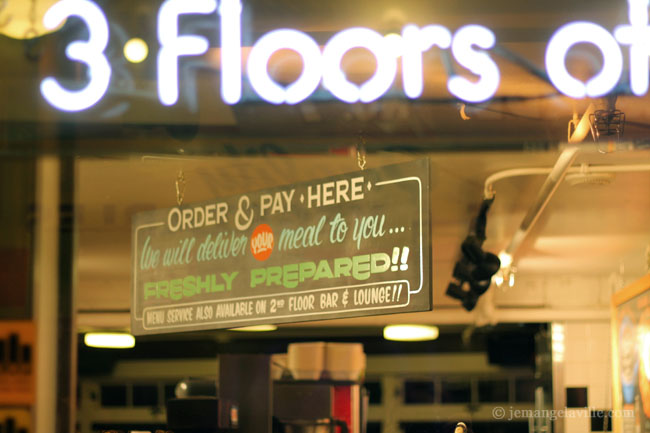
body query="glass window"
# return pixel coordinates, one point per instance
(145, 395)
(418, 392)
(455, 391)
(492, 391)
(374, 392)
(525, 390)
(113, 395)
(373, 427)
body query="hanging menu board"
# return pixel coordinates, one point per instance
(350, 245)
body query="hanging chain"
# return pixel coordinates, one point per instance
(361, 159)
(361, 152)
(180, 187)
(31, 31)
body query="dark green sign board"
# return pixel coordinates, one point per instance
(351, 245)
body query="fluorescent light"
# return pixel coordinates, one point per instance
(411, 332)
(109, 340)
(256, 328)
(136, 50)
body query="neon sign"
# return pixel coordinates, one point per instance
(469, 46)
(635, 35)
(173, 46)
(558, 47)
(90, 52)
(259, 57)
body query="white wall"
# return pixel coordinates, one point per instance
(581, 359)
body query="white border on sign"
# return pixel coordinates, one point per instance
(190, 304)
(382, 183)
(404, 179)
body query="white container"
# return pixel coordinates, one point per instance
(345, 361)
(306, 360)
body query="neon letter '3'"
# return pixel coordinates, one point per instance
(90, 52)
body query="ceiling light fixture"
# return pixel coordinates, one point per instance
(24, 19)
(411, 332)
(109, 340)
(136, 50)
(607, 123)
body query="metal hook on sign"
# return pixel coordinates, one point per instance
(180, 187)
(361, 159)
(361, 153)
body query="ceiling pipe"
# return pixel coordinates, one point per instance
(552, 182)
(488, 189)
(555, 177)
